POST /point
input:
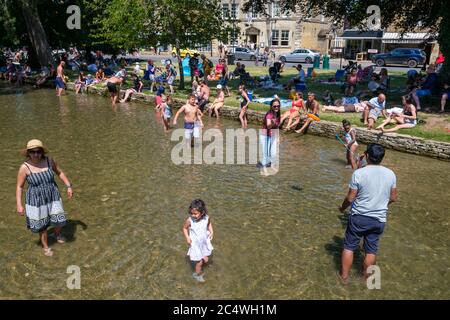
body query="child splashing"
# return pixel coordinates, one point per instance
(198, 232)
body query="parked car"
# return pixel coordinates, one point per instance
(241, 53)
(400, 56)
(300, 55)
(184, 52)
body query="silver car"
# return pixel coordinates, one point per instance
(241, 53)
(300, 55)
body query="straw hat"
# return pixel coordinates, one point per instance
(32, 144)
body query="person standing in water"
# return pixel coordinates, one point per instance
(371, 190)
(244, 102)
(192, 119)
(198, 232)
(351, 144)
(43, 204)
(60, 82)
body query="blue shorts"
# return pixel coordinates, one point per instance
(423, 92)
(60, 83)
(359, 227)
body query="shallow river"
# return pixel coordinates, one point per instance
(276, 237)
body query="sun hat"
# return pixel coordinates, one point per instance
(219, 86)
(32, 144)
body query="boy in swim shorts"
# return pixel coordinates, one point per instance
(192, 119)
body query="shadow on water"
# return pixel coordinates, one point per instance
(68, 231)
(335, 249)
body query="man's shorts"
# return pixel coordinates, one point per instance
(374, 113)
(112, 88)
(191, 129)
(60, 83)
(359, 227)
(423, 92)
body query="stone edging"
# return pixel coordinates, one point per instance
(400, 142)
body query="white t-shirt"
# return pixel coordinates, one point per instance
(374, 102)
(374, 184)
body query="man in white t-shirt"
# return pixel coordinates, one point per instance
(371, 190)
(375, 108)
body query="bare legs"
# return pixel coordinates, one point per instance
(444, 101)
(128, 93)
(305, 126)
(347, 262)
(243, 117)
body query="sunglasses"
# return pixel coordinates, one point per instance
(35, 151)
(276, 105)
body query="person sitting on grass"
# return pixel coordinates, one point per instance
(298, 107)
(375, 108)
(99, 76)
(137, 87)
(218, 102)
(312, 106)
(405, 120)
(80, 82)
(426, 87)
(298, 79)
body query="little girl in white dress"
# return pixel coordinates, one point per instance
(198, 232)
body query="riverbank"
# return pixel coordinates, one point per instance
(400, 142)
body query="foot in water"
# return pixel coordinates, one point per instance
(198, 277)
(341, 280)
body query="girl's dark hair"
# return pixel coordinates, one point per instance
(300, 94)
(345, 122)
(199, 205)
(410, 100)
(271, 104)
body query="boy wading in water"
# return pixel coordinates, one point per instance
(198, 231)
(192, 119)
(60, 82)
(371, 190)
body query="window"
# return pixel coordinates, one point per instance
(276, 9)
(225, 10)
(285, 37)
(234, 11)
(275, 37)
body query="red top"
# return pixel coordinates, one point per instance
(270, 115)
(352, 79)
(297, 103)
(440, 59)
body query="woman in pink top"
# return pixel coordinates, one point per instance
(269, 135)
(350, 85)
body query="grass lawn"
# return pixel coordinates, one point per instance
(437, 129)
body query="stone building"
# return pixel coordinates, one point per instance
(281, 32)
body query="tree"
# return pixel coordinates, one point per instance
(36, 32)
(179, 23)
(403, 14)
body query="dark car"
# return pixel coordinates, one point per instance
(407, 56)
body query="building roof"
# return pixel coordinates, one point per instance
(357, 34)
(395, 37)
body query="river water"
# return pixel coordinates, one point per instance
(276, 237)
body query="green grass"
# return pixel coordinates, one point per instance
(398, 82)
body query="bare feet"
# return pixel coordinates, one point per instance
(341, 279)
